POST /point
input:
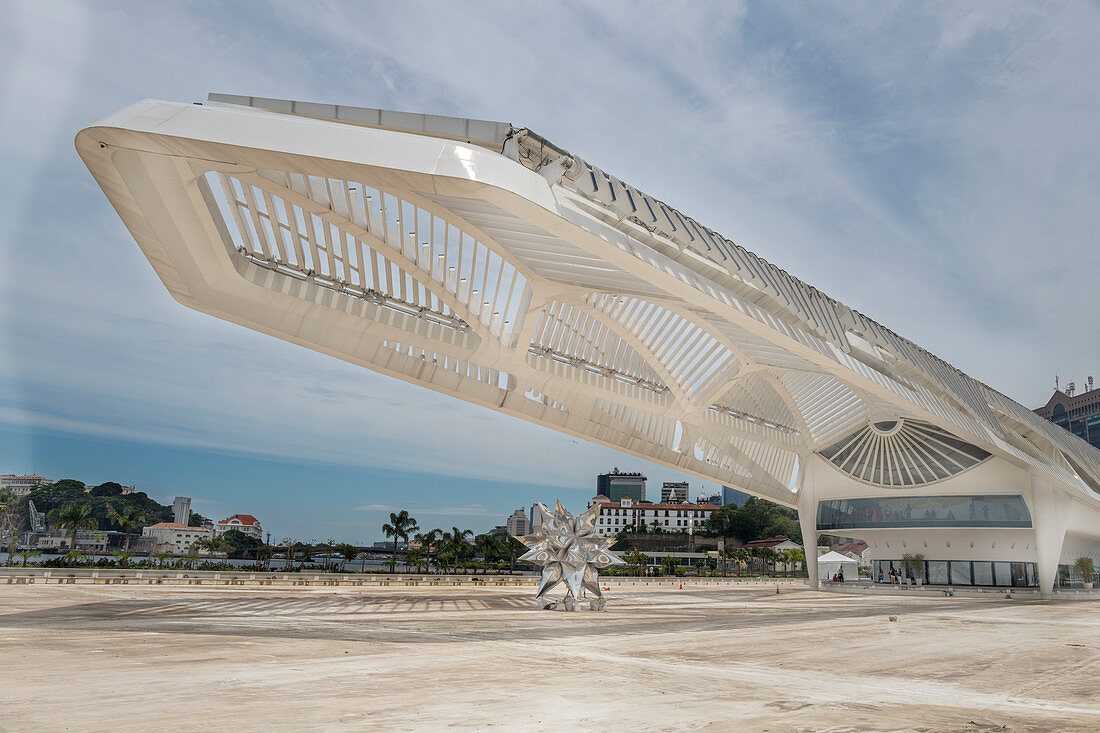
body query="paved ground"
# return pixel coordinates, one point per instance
(149, 658)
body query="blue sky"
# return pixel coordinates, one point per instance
(936, 167)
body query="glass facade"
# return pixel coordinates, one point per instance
(1083, 422)
(924, 511)
(963, 572)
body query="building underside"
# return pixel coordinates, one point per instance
(479, 260)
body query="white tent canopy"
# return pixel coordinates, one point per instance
(832, 563)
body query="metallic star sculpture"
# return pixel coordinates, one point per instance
(569, 548)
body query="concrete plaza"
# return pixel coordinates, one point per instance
(730, 659)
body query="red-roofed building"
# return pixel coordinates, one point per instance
(245, 523)
(775, 543)
(615, 516)
(856, 550)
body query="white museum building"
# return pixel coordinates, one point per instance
(482, 261)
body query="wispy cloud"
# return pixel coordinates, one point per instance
(463, 510)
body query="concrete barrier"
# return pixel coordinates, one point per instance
(56, 576)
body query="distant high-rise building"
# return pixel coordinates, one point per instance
(733, 496)
(181, 510)
(674, 492)
(535, 518)
(616, 485)
(1077, 413)
(518, 524)
(715, 499)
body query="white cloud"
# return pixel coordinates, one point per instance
(934, 168)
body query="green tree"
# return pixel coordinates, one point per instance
(489, 547)
(622, 539)
(162, 557)
(756, 519)
(239, 541)
(289, 544)
(123, 557)
(515, 548)
(73, 517)
(110, 488)
(399, 527)
(27, 554)
(264, 553)
(9, 519)
(130, 518)
(348, 552)
(636, 560)
(1085, 568)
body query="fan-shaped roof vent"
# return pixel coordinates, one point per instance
(898, 453)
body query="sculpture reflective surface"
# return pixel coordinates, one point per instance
(569, 549)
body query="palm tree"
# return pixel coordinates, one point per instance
(795, 557)
(426, 540)
(73, 517)
(74, 557)
(488, 546)
(740, 556)
(457, 546)
(123, 557)
(399, 527)
(772, 556)
(129, 519)
(162, 557)
(415, 557)
(27, 554)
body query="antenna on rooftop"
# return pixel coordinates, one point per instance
(1090, 384)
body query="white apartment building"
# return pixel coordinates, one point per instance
(614, 517)
(518, 524)
(245, 523)
(174, 537)
(21, 485)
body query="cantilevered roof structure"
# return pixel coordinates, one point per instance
(480, 260)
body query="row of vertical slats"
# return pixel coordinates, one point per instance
(490, 289)
(690, 354)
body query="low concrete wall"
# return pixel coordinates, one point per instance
(114, 576)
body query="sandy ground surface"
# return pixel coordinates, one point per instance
(745, 659)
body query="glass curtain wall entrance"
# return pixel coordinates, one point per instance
(960, 572)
